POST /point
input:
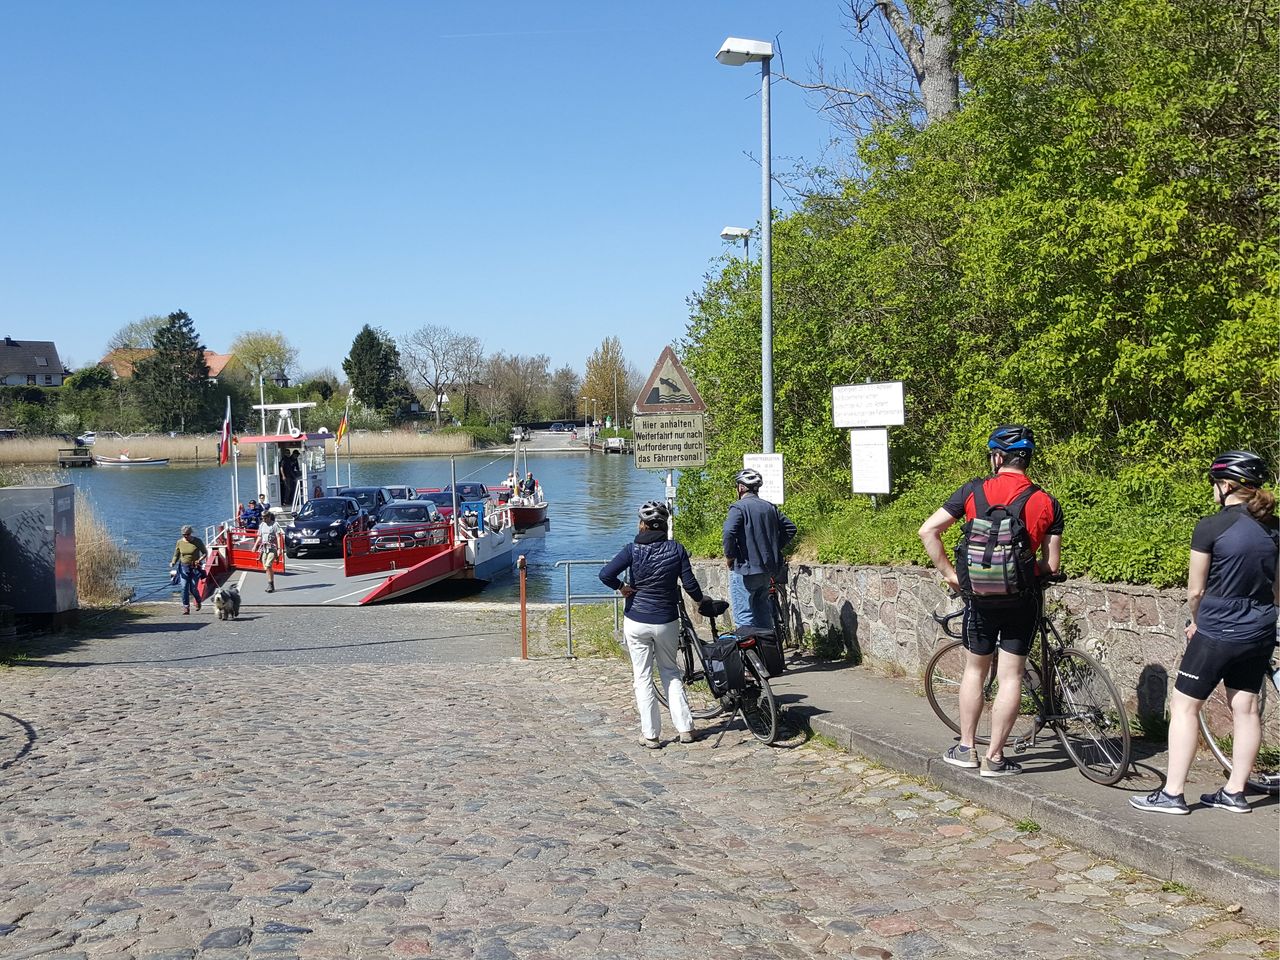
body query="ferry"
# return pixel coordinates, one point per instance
(475, 543)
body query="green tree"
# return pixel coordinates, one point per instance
(174, 380)
(373, 368)
(605, 379)
(264, 353)
(138, 335)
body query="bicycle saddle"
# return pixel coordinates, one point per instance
(712, 608)
(746, 633)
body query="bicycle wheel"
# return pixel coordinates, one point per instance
(703, 704)
(1215, 725)
(1090, 717)
(759, 709)
(942, 688)
(781, 623)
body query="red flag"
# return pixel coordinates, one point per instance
(224, 443)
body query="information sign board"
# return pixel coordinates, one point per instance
(869, 459)
(770, 467)
(669, 441)
(868, 405)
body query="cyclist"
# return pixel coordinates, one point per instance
(1232, 593)
(1011, 625)
(651, 624)
(755, 531)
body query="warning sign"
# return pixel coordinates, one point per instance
(669, 441)
(669, 388)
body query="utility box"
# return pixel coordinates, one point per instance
(38, 549)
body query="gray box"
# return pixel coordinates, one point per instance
(38, 549)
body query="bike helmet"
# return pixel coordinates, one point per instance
(748, 478)
(1012, 438)
(653, 512)
(1241, 466)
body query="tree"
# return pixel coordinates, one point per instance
(563, 393)
(470, 366)
(517, 384)
(430, 356)
(373, 367)
(90, 378)
(174, 379)
(606, 378)
(264, 353)
(139, 335)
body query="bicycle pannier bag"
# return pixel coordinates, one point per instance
(994, 558)
(770, 649)
(722, 663)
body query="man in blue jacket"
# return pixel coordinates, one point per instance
(754, 534)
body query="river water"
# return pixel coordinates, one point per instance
(593, 507)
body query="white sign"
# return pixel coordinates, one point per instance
(669, 441)
(868, 405)
(770, 467)
(869, 451)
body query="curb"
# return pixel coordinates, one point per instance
(1197, 866)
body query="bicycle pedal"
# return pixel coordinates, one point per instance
(1019, 746)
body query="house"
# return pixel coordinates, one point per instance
(30, 363)
(123, 360)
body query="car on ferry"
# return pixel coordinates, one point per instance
(408, 523)
(403, 492)
(372, 499)
(321, 525)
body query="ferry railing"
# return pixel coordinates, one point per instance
(570, 598)
(366, 551)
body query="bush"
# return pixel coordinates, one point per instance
(485, 435)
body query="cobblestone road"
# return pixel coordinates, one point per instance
(504, 810)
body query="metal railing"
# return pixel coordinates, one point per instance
(570, 598)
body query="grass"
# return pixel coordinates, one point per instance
(100, 561)
(43, 451)
(822, 740)
(1173, 886)
(1026, 826)
(593, 635)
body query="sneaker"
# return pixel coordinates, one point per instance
(1159, 802)
(271, 588)
(961, 756)
(197, 606)
(652, 744)
(688, 737)
(1231, 802)
(186, 611)
(1004, 767)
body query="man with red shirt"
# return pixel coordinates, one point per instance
(1010, 625)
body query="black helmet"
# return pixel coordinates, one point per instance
(653, 511)
(1241, 466)
(1012, 438)
(748, 478)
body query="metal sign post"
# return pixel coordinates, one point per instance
(668, 425)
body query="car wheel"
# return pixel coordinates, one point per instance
(291, 554)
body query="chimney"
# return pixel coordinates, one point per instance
(8, 342)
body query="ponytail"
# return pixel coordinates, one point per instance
(1260, 503)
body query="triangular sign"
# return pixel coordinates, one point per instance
(669, 388)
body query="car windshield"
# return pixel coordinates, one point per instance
(442, 497)
(365, 498)
(322, 508)
(397, 513)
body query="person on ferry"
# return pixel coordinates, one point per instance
(250, 515)
(528, 486)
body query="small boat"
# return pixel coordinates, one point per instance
(124, 460)
(527, 513)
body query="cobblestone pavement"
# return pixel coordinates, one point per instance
(505, 810)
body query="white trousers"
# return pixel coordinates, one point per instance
(647, 643)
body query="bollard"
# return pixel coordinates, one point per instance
(524, 611)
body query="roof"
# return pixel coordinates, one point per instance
(28, 356)
(123, 361)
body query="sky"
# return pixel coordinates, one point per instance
(541, 175)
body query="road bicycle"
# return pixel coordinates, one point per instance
(1215, 727)
(755, 701)
(1068, 691)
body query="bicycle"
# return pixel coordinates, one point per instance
(1215, 727)
(755, 701)
(781, 622)
(1079, 701)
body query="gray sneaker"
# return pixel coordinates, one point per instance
(961, 756)
(1231, 802)
(1159, 802)
(688, 737)
(653, 744)
(1004, 767)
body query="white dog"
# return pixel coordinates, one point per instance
(226, 600)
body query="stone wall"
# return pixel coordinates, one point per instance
(885, 615)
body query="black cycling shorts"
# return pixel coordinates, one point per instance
(1238, 666)
(1013, 627)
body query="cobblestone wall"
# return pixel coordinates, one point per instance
(884, 614)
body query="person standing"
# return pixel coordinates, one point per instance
(268, 546)
(990, 618)
(755, 532)
(1232, 594)
(188, 554)
(651, 625)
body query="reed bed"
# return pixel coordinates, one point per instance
(43, 452)
(100, 561)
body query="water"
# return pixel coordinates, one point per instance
(593, 508)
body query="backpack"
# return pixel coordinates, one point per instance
(722, 665)
(995, 561)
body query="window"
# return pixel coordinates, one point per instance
(42, 361)
(48, 379)
(31, 379)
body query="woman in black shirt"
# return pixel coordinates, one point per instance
(1232, 594)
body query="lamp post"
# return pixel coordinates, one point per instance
(734, 52)
(584, 418)
(733, 234)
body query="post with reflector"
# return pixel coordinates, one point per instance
(524, 611)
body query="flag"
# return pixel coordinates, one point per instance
(224, 442)
(342, 427)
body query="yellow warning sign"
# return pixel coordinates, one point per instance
(669, 388)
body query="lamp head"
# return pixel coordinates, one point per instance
(735, 233)
(735, 51)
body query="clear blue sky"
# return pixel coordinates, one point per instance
(542, 174)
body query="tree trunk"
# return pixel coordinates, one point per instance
(939, 81)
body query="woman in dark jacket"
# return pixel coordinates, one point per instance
(651, 626)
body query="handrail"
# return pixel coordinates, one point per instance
(570, 597)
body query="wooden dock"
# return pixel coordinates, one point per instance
(75, 457)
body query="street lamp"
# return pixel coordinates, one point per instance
(734, 234)
(734, 52)
(584, 414)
